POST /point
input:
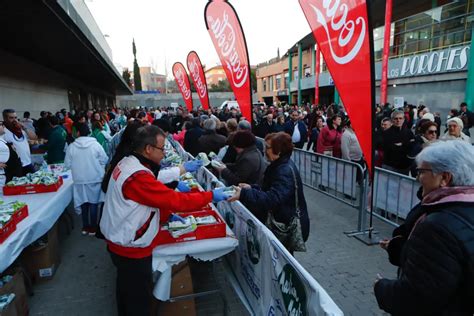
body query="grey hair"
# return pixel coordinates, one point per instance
(245, 125)
(397, 112)
(209, 124)
(454, 156)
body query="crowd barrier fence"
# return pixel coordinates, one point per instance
(346, 181)
(267, 278)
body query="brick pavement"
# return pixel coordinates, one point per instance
(345, 267)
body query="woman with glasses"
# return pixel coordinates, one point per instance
(427, 133)
(437, 259)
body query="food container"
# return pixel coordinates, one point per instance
(32, 188)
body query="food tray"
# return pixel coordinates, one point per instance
(32, 188)
(7, 230)
(216, 230)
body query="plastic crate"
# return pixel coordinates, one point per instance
(32, 188)
(208, 231)
(7, 230)
(20, 214)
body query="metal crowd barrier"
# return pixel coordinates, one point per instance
(341, 179)
(394, 196)
(346, 181)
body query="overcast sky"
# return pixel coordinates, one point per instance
(169, 29)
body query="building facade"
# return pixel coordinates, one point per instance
(214, 75)
(429, 62)
(152, 81)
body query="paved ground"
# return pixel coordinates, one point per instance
(345, 267)
(85, 283)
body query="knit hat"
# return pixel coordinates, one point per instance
(243, 139)
(428, 116)
(458, 121)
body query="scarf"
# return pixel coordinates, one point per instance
(148, 163)
(15, 128)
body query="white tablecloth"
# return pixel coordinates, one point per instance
(44, 210)
(165, 256)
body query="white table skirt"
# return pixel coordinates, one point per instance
(44, 210)
(165, 256)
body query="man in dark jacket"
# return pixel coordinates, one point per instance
(191, 137)
(296, 129)
(437, 259)
(396, 143)
(267, 126)
(210, 140)
(56, 141)
(467, 118)
(249, 165)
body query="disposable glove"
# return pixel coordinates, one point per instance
(192, 165)
(219, 195)
(183, 187)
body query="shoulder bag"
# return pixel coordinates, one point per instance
(290, 235)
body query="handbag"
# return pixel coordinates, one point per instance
(290, 235)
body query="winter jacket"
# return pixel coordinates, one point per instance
(437, 260)
(290, 127)
(87, 160)
(277, 194)
(249, 167)
(179, 137)
(396, 156)
(211, 141)
(329, 139)
(56, 144)
(191, 144)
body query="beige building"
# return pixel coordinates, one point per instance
(152, 81)
(214, 75)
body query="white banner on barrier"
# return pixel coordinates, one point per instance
(273, 282)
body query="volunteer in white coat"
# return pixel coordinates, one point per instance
(87, 160)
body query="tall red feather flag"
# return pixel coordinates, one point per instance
(182, 80)
(197, 75)
(228, 38)
(343, 33)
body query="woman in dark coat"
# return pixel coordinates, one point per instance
(277, 193)
(437, 259)
(249, 165)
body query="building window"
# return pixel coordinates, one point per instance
(295, 74)
(287, 79)
(278, 82)
(264, 84)
(270, 80)
(307, 72)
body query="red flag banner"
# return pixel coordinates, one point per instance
(197, 75)
(228, 38)
(341, 29)
(182, 80)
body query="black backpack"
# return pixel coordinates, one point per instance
(14, 167)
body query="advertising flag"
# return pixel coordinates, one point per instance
(197, 75)
(343, 34)
(228, 38)
(182, 80)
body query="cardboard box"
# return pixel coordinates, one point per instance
(181, 284)
(41, 262)
(10, 310)
(17, 287)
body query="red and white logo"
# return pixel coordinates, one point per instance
(197, 75)
(182, 80)
(341, 30)
(229, 41)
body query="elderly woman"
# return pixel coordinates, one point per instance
(455, 127)
(210, 140)
(277, 193)
(437, 259)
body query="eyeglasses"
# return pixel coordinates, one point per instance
(452, 126)
(421, 170)
(160, 148)
(431, 131)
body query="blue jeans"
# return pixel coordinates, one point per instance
(90, 218)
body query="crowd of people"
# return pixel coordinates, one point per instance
(122, 188)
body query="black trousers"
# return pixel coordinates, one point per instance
(134, 285)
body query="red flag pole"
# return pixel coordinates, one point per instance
(316, 75)
(386, 51)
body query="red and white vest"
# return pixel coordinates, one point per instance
(122, 218)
